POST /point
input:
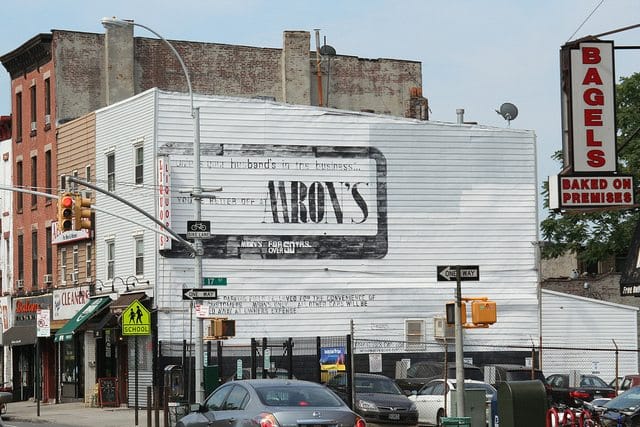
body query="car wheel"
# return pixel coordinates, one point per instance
(439, 416)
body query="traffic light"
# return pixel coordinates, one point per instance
(223, 328)
(451, 310)
(65, 212)
(483, 312)
(82, 212)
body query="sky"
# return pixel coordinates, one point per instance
(475, 54)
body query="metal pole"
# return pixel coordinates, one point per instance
(135, 404)
(197, 243)
(459, 347)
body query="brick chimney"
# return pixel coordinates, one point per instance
(118, 47)
(296, 72)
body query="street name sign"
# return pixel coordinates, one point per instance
(199, 294)
(198, 229)
(447, 273)
(136, 320)
(214, 281)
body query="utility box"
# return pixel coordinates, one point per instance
(475, 407)
(522, 404)
(211, 379)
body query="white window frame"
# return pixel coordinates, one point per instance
(138, 161)
(415, 340)
(138, 259)
(110, 254)
(111, 174)
(63, 265)
(87, 250)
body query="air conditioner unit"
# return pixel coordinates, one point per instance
(20, 283)
(74, 277)
(441, 329)
(47, 278)
(34, 126)
(47, 119)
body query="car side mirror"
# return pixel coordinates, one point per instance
(197, 407)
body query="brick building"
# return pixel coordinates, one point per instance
(59, 76)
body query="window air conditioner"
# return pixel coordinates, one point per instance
(47, 119)
(74, 277)
(34, 126)
(20, 283)
(441, 329)
(47, 278)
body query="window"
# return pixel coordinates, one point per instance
(49, 260)
(34, 259)
(18, 110)
(87, 251)
(47, 103)
(111, 172)
(48, 180)
(139, 247)
(63, 265)
(75, 262)
(19, 183)
(34, 181)
(139, 163)
(20, 257)
(111, 259)
(34, 116)
(415, 332)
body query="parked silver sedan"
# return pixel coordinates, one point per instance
(271, 403)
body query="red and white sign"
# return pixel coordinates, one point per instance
(593, 108)
(164, 201)
(567, 192)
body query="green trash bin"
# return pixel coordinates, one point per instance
(456, 421)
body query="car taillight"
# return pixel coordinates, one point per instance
(360, 422)
(266, 419)
(578, 394)
(610, 394)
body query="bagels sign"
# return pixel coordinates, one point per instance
(593, 108)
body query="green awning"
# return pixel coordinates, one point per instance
(85, 313)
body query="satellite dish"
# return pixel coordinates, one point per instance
(327, 50)
(508, 111)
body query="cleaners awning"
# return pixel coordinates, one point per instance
(85, 313)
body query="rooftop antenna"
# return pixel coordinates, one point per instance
(508, 111)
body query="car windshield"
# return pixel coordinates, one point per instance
(376, 385)
(592, 382)
(297, 396)
(469, 373)
(628, 400)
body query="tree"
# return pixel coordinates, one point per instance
(597, 235)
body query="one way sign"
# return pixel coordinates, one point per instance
(199, 294)
(467, 272)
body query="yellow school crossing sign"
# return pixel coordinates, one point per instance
(136, 320)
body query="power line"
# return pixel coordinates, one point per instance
(586, 19)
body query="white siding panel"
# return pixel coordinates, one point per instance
(454, 195)
(582, 323)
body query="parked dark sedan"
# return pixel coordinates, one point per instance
(589, 388)
(271, 402)
(624, 410)
(378, 399)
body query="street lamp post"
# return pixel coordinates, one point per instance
(196, 194)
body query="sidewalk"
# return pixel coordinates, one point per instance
(79, 414)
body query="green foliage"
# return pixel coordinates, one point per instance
(598, 235)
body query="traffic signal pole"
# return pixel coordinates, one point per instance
(173, 234)
(459, 347)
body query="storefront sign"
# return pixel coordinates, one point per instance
(164, 201)
(593, 108)
(25, 310)
(67, 302)
(567, 192)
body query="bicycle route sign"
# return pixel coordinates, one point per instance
(198, 229)
(136, 320)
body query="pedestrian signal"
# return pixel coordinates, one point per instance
(483, 312)
(451, 316)
(222, 328)
(65, 212)
(82, 212)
